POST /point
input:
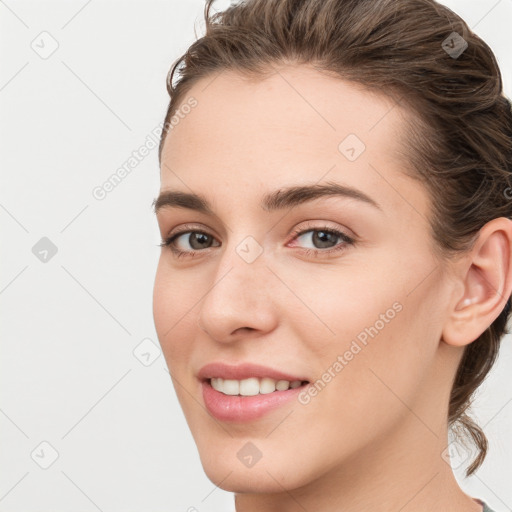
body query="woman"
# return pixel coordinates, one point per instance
(336, 268)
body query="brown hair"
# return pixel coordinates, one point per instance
(459, 136)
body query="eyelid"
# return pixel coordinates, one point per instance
(309, 225)
(319, 224)
(184, 228)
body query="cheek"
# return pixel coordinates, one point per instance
(362, 386)
(163, 302)
(381, 338)
(171, 313)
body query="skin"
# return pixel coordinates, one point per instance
(373, 438)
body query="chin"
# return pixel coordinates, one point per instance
(277, 469)
(252, 480)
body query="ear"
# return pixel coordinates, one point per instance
(486, 279)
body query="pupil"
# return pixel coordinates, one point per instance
(323, 237)
(200, 238)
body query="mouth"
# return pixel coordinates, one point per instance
(248, 400)
(247, 391)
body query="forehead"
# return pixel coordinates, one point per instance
(294, 104)
(295, 125)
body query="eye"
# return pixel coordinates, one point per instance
(196, 240)
(323, 240)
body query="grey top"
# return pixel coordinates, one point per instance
(486, 508)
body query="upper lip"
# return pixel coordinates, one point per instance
(243, 371)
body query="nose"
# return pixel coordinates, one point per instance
(240, 298)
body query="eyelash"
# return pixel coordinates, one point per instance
(168, 242)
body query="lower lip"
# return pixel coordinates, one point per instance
(245, 408)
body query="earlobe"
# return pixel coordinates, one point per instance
(486, 277)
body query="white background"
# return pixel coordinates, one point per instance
(70, 325)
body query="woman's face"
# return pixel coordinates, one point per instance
(358, 315)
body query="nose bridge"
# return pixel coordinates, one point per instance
(239, 295)
(244, 260)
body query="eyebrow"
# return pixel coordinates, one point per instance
(276, 200)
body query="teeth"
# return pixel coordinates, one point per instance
(231, 387)
(249, 387)
(267, 385)
(252, 386)
(282, 385)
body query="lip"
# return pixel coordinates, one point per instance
(238, 408)
(244, 371)
(243, 409)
